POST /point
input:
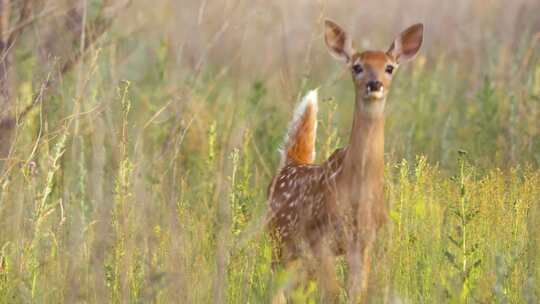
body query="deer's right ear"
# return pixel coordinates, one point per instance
(337, 41)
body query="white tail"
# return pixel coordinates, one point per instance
(299, 144)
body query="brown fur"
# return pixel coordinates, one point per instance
(338, 206)
(303, 140)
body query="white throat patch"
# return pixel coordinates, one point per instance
(373, 107)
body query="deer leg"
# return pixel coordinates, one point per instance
(359, 263)
(366, 268)
(284, 256)
(292, 269)
(326, 273)
(277, 261)
(354, 260)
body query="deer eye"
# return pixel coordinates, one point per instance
(389, 69)
(357, 68)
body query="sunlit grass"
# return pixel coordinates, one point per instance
(155, 191)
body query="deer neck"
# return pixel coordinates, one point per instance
(363, 164)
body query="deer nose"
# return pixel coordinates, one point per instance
(374, 85)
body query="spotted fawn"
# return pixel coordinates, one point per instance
(336, 207)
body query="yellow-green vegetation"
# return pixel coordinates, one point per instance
(141, 175)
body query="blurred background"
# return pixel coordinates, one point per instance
(475, 85)
(137, 140)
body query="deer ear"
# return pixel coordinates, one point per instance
(337, 41)
(407, 44)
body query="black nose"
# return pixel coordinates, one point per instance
(374, 85)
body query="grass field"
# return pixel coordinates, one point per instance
(142, 176)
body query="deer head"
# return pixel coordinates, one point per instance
(372, 71)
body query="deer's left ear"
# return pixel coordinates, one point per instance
(407, 44)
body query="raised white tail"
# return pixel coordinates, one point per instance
(299, 144)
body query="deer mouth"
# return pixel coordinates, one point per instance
(374, 95)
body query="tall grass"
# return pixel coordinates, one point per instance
(155, 192)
